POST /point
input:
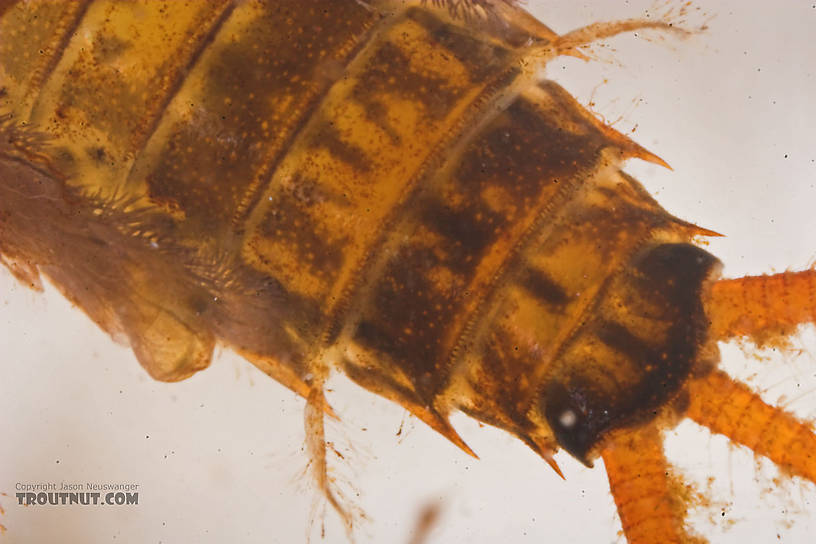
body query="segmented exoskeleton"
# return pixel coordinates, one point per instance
(386, 190)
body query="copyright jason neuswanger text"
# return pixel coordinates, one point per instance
(69, 493)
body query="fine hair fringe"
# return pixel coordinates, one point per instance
(467, 9)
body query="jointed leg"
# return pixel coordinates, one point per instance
(649, 505)
(732, 409)
(315, 411)
(580, 37)
(762, 308)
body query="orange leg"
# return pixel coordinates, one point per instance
(732, 409)
(649, 505)
(598, 31)
(762, 308)
(318, 447)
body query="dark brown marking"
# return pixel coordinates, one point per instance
(480, 57)
(621, 339)
(410, 316)
(99, 155)
(287, 223)
(527, 150)
(543, 288)
(239, 132)
(523, 152)
(673, 275)
(389, 71)
(325, 74)
(469, 231)
(329, 138)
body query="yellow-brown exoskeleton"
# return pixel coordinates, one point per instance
(389, 191)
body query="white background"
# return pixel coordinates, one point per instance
(732, 110)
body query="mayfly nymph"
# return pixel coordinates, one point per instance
(388, 191)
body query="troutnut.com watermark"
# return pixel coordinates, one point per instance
(68, 493)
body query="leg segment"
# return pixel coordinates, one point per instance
(762, 308)
(649, 505)
(316, 409)
(583, 36)
(732, 409)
